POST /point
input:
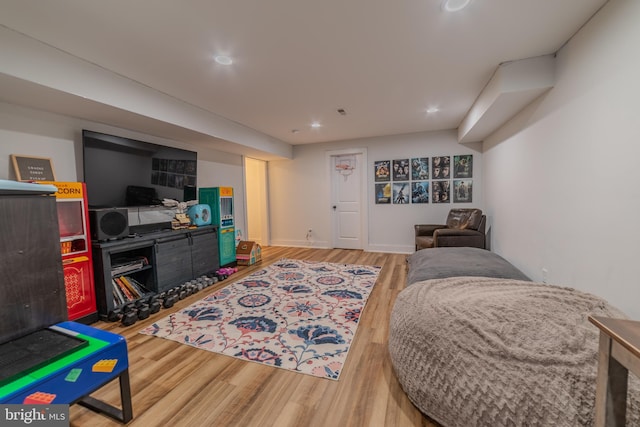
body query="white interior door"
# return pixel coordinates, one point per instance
(347, 179)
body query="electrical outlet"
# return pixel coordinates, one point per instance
(545, 275)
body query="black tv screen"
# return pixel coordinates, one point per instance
(120, 172)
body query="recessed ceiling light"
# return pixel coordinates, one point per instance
(315, 125)
(223, 60)
(432, 110)
(455, 5)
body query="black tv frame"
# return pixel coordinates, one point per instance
(113, 163)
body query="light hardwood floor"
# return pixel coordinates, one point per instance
(176, 385)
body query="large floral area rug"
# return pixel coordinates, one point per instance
(293, 314)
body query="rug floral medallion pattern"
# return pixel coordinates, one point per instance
(294, 314)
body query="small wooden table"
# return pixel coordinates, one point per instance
(619, 353)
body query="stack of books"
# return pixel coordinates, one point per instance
(127, 289)
(126, 265)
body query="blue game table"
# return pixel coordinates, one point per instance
(72, 378)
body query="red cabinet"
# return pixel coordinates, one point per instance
(75, 246)
(78, 283)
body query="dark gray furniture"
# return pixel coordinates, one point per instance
(464, 227)
(181, 257)
(32, 287)
(174, 257)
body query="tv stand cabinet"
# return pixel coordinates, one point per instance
(171, 258)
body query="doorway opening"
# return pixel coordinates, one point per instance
(256, 194)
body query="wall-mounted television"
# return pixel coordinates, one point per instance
(120, 172)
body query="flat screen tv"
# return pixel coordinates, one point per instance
(120, 172)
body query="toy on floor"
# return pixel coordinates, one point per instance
(223, 273)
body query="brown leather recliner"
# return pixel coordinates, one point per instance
(464, 227)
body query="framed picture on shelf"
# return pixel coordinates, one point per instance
(462, 190)
(463, 166)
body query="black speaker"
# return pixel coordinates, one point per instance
(189, 193)
(109, 223)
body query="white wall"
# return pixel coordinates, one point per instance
(218, 169)
(37, 133)
(31, 133)
(562, 178)
(299, 191)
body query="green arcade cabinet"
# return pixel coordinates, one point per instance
(220, 200)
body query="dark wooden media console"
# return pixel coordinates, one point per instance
(32, 287)
(169, 258)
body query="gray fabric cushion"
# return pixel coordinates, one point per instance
(437, 263)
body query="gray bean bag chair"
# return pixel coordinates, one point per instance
(477, 351)
(438, 263)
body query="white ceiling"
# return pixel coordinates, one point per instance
(298, 61)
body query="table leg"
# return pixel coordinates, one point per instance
(125, 396)
(123, 415)
(611, 387)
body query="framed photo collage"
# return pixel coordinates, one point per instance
(421, 180)
(173, 173)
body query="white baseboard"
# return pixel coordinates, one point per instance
(301, 244)
(392, 249)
